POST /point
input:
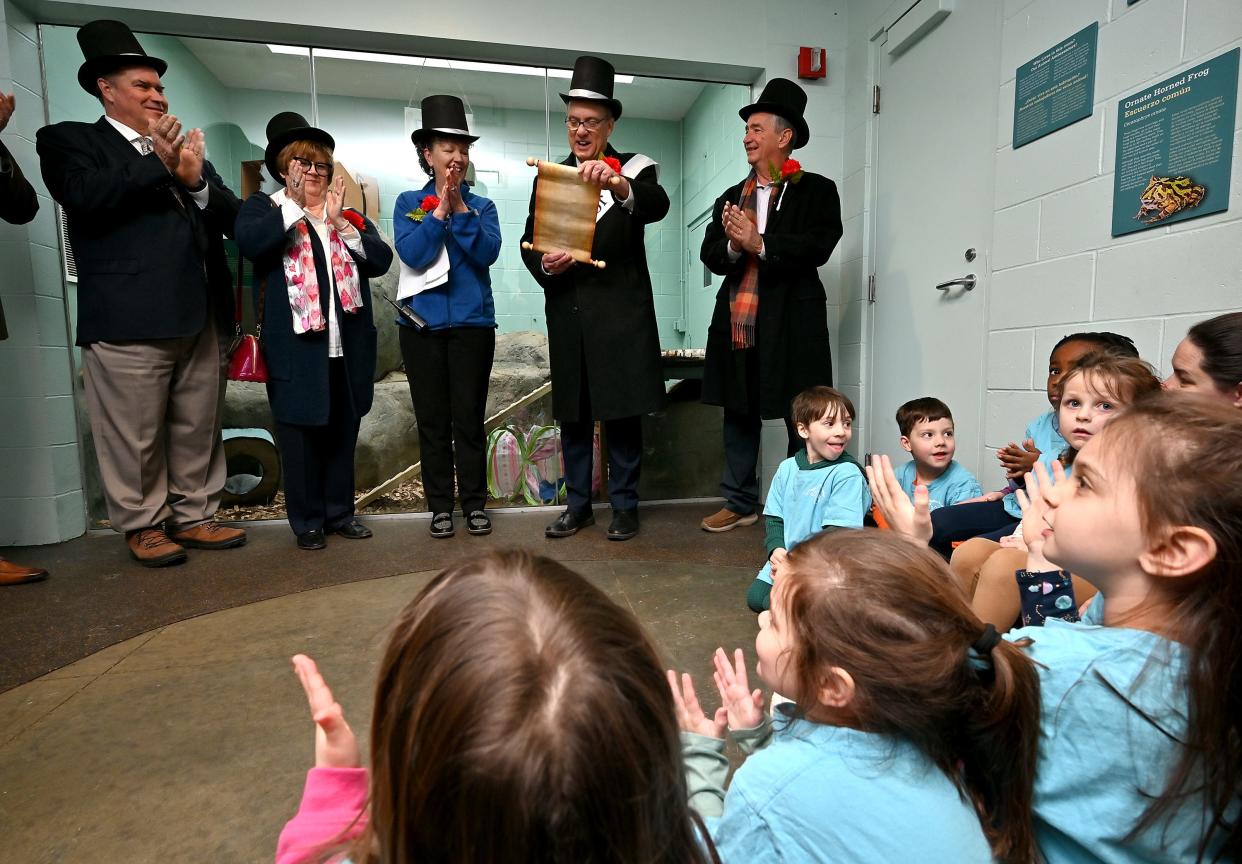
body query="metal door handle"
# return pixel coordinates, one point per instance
(967, 282)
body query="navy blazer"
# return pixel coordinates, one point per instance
(297, 364)
(151, 263)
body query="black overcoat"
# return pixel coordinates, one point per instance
(150, 262)
(792, 324)
(297, 363)
(606, 318)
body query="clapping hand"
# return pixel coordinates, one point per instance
(167, 140)
(911, 519)
(742, 233)
(1035, 510)
(295, 183)
(690, 716)
(1018, 460)
(743, 707)
(7, 105)
(334, 200)
(335, 744)
(190, 164)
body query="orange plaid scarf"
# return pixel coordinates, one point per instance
(744, 295)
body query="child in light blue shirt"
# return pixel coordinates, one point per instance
(926, 426)
(822, 488)
(899, 743)
(998, 514)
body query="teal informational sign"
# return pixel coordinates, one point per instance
(1175, 147)
(1055, 89)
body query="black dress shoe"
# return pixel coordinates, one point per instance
(569, 523)
(312, 540)
(478, 523)
(624, 524)
(351, 530)
(442, 525)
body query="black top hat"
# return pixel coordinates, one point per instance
(285, 128)
(592, 82)
(108, 46)
(786, 99)
(442, 115)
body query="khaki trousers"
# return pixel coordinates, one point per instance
(155, 410)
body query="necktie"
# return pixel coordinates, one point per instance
(145, 146)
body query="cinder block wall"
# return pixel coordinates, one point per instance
(1056, 267)
(41, 498)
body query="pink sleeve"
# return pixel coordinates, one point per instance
(332, 799)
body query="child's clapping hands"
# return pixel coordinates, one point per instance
(741, 707)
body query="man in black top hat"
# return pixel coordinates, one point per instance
(768, 338)
(147, 214)
(602, 338)
(18, 205)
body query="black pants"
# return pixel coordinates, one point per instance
(317, 462)
(449, 372)
(624, 437)
(739, 482)
(988, 519)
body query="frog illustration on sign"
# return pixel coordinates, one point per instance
(1165, 196)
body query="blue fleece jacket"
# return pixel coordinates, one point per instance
(473, 242)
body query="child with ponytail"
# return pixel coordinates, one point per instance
(1140, 755)
(911, 734)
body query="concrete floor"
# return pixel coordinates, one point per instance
(190, 742)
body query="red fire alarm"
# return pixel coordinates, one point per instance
(812, 63)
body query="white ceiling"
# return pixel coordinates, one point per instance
(252, 66)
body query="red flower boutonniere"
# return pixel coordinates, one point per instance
(613, 162)
(429, 203)
(354, 218)
(791, 171)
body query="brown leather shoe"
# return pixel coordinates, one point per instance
(210, 535)
(16, 574)
(726, 520)
(151, 547)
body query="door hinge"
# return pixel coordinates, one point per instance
(871, 288)
(875, 99)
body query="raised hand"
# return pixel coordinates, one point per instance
(166, 140)
(190, 165)
(7, 105)
(911, 519)
(334, 200)
(295, 183)
(1018, 460)
(743, 707)
(1035, 508)
(690, 716)
(335, 744)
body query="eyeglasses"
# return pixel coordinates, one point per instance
(324, 168)
(572, 123)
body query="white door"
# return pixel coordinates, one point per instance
(936, 146)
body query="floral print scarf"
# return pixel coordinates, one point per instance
(302, 279)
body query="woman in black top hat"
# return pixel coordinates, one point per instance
(447, 237)
(312, 260)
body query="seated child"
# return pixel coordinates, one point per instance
(998, 515)
(822, 488)
(1099, 387)
(520, 716)
(926, 426)
(1140, 752)
(912, 734)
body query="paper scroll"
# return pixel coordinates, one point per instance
(565, 210)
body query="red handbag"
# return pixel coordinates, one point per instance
(246, 361)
